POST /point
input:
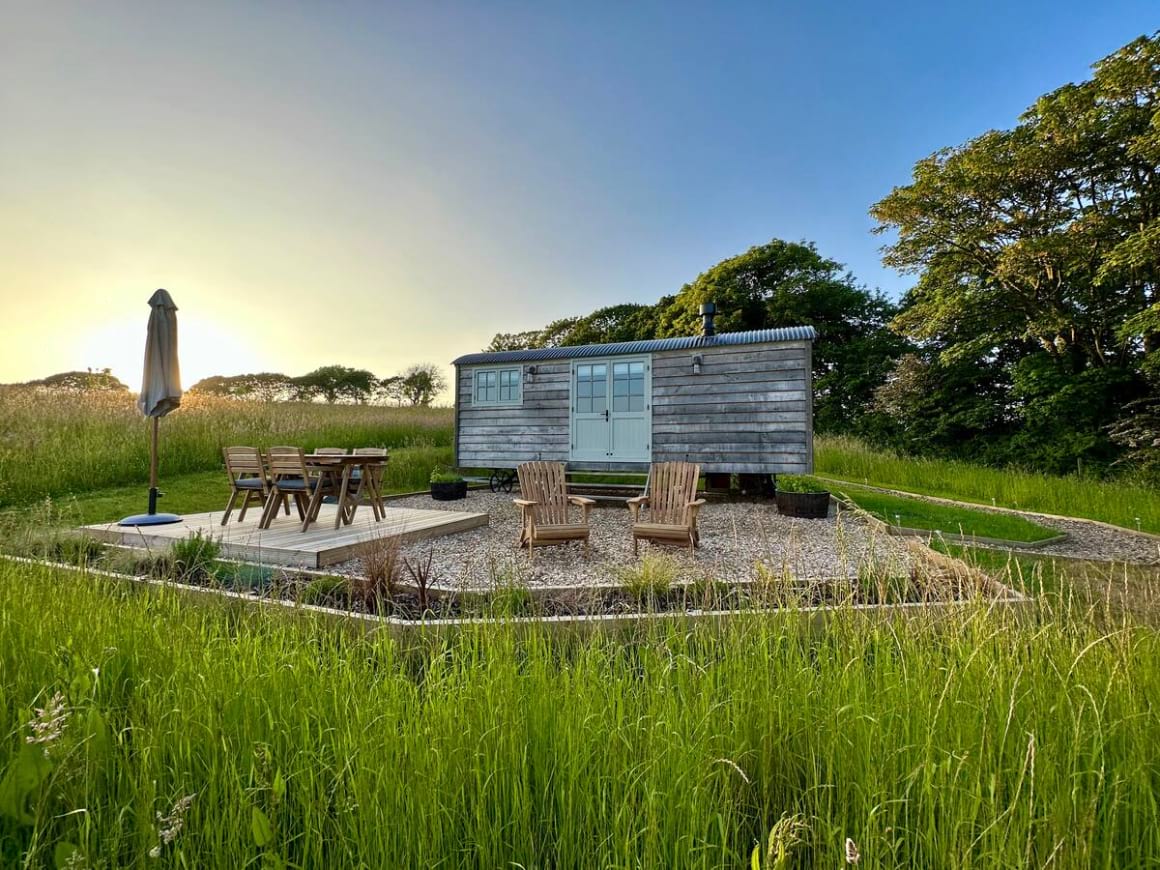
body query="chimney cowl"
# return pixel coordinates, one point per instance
(708, 310)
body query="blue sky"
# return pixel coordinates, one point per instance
(445, 171)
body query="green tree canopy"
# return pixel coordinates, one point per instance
(336, 383)
(93, 380)
(420, 384)
(790, 284)
(259, 386)
(1042, 241)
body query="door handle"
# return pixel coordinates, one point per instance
(606, 416)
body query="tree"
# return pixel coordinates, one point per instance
(421, 384)
(93, 380)
(389, 389)
(1039, 244)
(260, 386)
(334, 383)
(791, 284)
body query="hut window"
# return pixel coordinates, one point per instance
(591, 388)
(628, 386)
(497, 387)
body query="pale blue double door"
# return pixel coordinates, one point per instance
(612, 410)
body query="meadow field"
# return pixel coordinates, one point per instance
(59, 444)
(211, 735)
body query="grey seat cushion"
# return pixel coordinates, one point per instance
(299, 485)
(248, 483)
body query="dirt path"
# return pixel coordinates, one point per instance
(1086, 539)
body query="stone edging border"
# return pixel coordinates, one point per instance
(987, 507)
(969, 540)
(816, 616)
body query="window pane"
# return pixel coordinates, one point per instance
(636, 369)
(620, 370)
(636, 403)
(620, 403)
(636, 387)
(600, 388)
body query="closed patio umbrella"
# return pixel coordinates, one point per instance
(160, 392)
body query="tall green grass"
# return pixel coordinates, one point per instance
(53, 443)
(970, 740)
(1121, 502)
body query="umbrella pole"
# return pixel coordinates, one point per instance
(153, 468)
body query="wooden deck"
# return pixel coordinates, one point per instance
(285, 544)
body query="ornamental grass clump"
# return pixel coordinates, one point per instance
(650, 577)
(192, 558)
(382, 564)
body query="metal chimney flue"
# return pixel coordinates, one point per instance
(708, 310)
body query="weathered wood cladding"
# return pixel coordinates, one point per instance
(503, 437)
(748, 410)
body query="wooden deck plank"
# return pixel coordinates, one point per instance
(284, 543)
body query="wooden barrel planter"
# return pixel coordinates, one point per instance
(451, 491)
(804, 505)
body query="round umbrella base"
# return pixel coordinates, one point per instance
(150, 520)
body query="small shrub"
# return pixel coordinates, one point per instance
(651, 577)
(192, 557)
(443, 474)
(511, 600)
(509, 594)
(798, 483)
(707, 593)
(77, 549)
(325, 591)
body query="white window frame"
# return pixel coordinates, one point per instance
(498, 403)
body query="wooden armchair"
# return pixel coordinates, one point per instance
(672, 505)
(544, 503)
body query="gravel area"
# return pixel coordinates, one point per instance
(735, 536)
(1099, 543)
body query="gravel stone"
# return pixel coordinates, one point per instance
(1096, 542)
(735, 536)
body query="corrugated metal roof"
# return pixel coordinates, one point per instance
(690, 342)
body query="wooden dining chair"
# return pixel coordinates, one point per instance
(290, 477)
(248, 480)
(368, 488)
(672, 505)
(543, 505)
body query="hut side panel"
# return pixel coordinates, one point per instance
(499, 437)
(749, 410)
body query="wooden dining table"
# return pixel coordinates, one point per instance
(340, 468)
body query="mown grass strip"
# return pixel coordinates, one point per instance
(917, 513)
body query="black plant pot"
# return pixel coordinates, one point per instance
(804, 505)
(449, 491)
